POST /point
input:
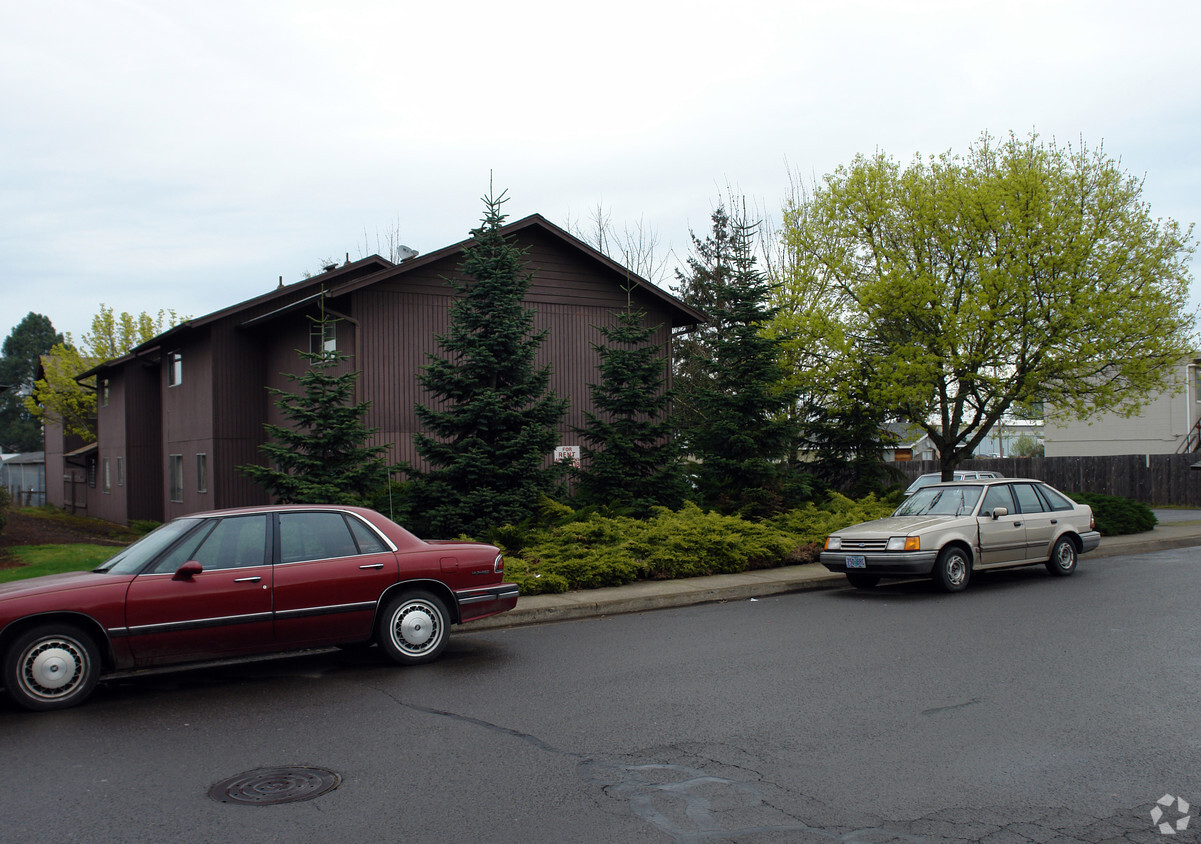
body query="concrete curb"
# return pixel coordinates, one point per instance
(652, 595)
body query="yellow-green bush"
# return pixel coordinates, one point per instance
(593, 550)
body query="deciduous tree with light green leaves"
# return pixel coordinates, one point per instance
(59, 395)
(960, 286)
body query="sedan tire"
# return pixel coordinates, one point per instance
(953, 569)
(51, 666)
(1063, 557)
(414, 628)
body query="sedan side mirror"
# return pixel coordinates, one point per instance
(998, 512)
(188, 570)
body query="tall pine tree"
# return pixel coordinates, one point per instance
(492, 415)
(20, 430)
(321, 457)
(731, 384)
(631, 462)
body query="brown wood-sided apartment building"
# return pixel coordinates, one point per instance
(178, 414)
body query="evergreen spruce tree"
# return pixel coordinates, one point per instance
(492, 415)
(732, 396)
(631, 462)
(845, 436)
(321, 457)
(35, 336)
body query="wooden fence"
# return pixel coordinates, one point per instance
(1158, 479)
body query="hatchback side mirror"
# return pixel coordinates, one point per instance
(998, 512)
(188, 570)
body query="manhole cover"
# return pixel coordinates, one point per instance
(271, 786)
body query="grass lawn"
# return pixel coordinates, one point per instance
(52, 559)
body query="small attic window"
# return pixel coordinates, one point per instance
(323, 338)
(174, 369)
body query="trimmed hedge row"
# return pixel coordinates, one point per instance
(588, 550)
(1117, 516)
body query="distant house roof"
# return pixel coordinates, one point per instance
(23, 457)
(366, 271)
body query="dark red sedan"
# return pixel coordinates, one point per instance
(245, 581)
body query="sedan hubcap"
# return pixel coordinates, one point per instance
(52, 668)
(416, 627)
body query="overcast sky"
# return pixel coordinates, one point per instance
(186, 155)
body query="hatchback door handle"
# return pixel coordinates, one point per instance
(373, 566)
(247, 579)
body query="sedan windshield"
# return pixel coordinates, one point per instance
(131, 560)
(941, 501)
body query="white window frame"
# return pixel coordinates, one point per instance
(175, 478)
(174, 368)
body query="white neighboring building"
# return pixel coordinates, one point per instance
(1000, 441)
(24, 476)
(1168, 424)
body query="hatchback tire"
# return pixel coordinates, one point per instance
(953, 569)
(1063, 557)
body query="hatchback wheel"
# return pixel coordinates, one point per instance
(52, 666)
(414, 628)
(1063, 557)
(953, 569)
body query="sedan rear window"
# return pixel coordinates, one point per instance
(314, 536)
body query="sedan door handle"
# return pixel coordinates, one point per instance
(1017, 524)
(255, 579)
(373, 566)
(1054, 521)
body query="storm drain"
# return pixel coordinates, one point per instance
(272, 786)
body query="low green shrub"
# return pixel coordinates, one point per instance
(5, 500)
(1117, 516)
(586, 550)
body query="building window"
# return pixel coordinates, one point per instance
(104, 390)
(120, 471)
(91, 469)
(202, 473)
(323, 339)
(175, 476)
(174, 369)
(106, 480)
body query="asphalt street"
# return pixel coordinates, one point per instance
(1028, 708)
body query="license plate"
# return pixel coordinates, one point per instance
(857, 562)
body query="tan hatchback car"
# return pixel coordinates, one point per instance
(949, 530)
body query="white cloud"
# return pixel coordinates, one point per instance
(181, 155)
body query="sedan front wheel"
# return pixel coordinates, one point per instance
(52, 666)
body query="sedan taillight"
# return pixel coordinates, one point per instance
(498, 567)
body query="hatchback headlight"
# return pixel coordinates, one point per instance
(904, 543)
(833, 543)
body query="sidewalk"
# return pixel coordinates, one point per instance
(1178, 529)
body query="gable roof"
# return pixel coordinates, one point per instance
(373, 269)
(684, 315)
